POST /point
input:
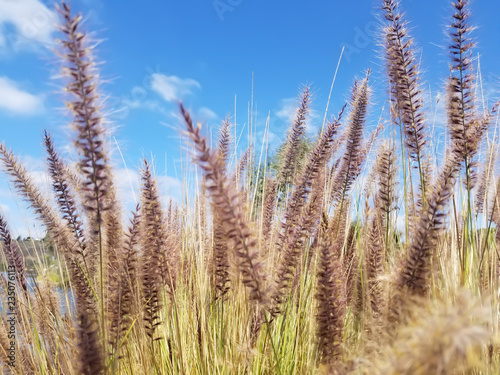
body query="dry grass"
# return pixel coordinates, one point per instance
(296, 269)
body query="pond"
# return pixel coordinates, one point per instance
(64, 295)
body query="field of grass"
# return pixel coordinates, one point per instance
(290, 264)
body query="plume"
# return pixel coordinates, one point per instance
(82, 86)
(66, 201)
(441, 337)
(229, 205)
(413, 274)
(330, 295)
(242, 165)
(317, 159)
(486, 178)
(25, 186)
(268, 209)
(153, 251)
(351, 162)
(375, 267)
(124, 293)
(415, 269)
(295, 136)
(404, 83)
(462, 113)
(13, 255)
(224, 142)
(220, 257)
(305, 228)
(386, 198)
(350, 258)
(89, 348)
(496, 212)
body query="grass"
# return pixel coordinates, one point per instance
(275, 265)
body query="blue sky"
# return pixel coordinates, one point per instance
(205, 53)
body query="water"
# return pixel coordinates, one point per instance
(64, 295)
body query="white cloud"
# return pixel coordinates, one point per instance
(173, 88)
(14, 100)
(125, 105)
(127, 182)
(127, 185)
(287, 111)
(32, 21)
(42, 179)
(21, 219)
(206, 114)
(171, 187)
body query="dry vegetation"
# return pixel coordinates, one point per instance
(295, 269)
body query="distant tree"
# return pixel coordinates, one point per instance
(272, 168)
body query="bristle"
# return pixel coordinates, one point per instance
(82, 86)
(317, 159)
(220, 251)
(404, 83)
(220, 258)
(496, 212)
(5, 345)
(441, 337)
(298, 260)
(66, 202)
(242, 165)
(15, 259)
(230, 208)
(413, 274)
(123, 293)
(154, 262)
(331, 297)
(268, 209)
(224, 141)
(46, 310)
(85, 303)
(375, 267)
(132, 242)
(350, 256)
(369, 143)
(350, 165)
(300, 220)
(114, 243)
(295, 135)
(25, 186)
(486, 177)
(113, 231)
(91, 358)
(386, 199)
(304, 229)
(462, 112)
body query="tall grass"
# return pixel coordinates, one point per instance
(293, 267)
